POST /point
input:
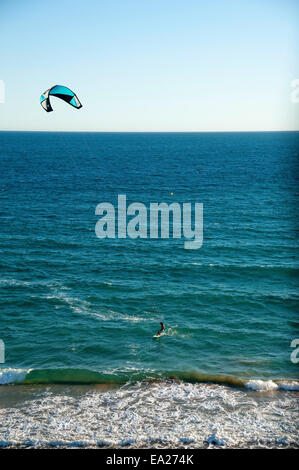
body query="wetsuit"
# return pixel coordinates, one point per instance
(161, 329)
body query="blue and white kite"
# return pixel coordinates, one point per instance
(61, 92)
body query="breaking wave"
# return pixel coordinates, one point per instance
(117, 377)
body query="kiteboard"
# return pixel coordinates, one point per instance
(158, 336)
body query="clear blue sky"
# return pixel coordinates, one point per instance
(150, 65)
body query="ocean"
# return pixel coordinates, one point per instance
(78, 313)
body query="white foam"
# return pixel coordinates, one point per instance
(189, 414)
(174, 332)
(14, 282)
(19, 283)
(83, 307)
(289, 385)
(8, 376)
(261, 385)
(113, 315)
(264, 385)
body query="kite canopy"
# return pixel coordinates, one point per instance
(61, 92)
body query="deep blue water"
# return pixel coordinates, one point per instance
(72, 301)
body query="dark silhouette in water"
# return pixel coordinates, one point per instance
(161, 329)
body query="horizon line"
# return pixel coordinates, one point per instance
(152, 132)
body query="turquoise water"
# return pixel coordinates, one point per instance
(76, 309)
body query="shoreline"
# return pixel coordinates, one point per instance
(73, 376)
(115, 417)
